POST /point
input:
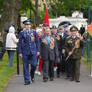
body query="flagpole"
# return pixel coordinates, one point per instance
(88, 41)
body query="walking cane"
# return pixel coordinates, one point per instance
(18, 64)
(72, 52)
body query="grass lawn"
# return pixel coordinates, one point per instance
(6, 72)
(84, 59)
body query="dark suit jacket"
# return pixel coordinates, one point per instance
(46, 52)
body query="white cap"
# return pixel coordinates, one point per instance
(11, 29)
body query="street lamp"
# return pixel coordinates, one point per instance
(88, 40)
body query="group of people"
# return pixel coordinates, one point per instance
(50, 47)
(62, 47)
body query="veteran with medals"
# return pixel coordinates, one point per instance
(28, 48)
(49, 54)
(73, 45)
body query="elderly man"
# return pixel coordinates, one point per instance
(49, 54)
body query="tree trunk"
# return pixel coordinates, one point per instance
(37, 17)
(10, 14)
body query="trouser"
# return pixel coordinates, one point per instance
(82, 51)
(51, 69)
(63, 64)
(11, 55)
(45, 69)
(68, 68)
(75, 69)
(48, 69)
(26, 60)
(2, 50)
(32, 71)
(1, 55)
(59, 68)
(59, 65)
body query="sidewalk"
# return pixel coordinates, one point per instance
(58, 85)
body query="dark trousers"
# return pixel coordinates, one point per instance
(48, 69)
(59, 64)
(2, 51)
(75, 69)
(1, 56)
(45, 69)
(63, 63)
(59, 68)
(51, 69)
(68, 68)
(32, 71)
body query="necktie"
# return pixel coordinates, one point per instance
(48, 39)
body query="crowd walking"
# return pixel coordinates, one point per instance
(47, 50)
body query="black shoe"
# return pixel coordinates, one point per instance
(51, 79)
(27, 83)
(58, 75)
(45, 80)
(77, 81)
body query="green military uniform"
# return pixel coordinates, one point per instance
(75, 57)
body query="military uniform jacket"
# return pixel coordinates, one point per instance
(69, 45)
(28, 42)
(49, 52)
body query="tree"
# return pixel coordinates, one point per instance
(28, 4)
(67, 7)
(10, 13)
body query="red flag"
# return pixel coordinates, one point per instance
(90, 29)
(46, 18)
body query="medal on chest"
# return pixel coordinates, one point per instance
(32, 36)
(52, 43)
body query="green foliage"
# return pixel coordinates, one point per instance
(26, 4)
(1, 5)
(66, 7)
(57, 7)
(84, 59)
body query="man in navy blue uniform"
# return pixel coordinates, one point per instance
(28, 48)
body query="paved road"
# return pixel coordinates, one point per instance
(58, 85)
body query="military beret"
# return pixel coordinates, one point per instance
(27, 22)
(73, 28)
(65, 25)
(60, 27)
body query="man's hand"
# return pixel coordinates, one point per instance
(70, 53)
(81, 38)
(63, 51)
(20, 55)
(58, 38)
(38, 53)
